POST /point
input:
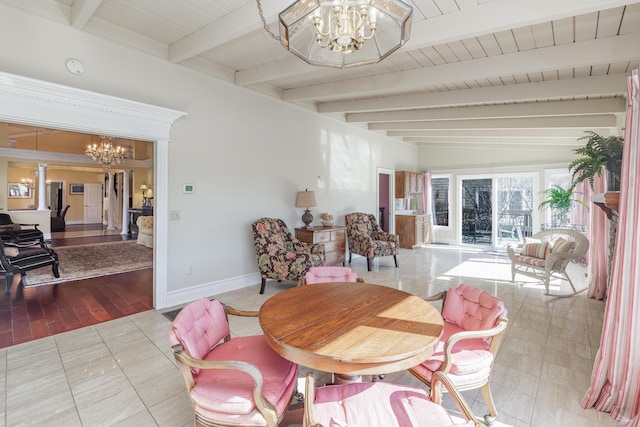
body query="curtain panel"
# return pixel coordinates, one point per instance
(598, 273)
(615, 381)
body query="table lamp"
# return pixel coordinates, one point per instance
(306, 199)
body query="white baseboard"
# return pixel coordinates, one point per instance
(193, 293)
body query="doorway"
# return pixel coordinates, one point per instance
(386, 194)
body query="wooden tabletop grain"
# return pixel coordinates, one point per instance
(351, 328)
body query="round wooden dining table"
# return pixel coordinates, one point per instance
(351, 329)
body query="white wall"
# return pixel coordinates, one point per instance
(247, 154)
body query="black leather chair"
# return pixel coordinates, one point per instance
(22, 248)
(58, 222)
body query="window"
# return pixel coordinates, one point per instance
(440, 200)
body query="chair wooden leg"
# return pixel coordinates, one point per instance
(488, 398)
(349, 257)
(369, 260)
(264, 283)
(395, 259)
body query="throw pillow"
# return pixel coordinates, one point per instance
(536, 250)
(563, 246)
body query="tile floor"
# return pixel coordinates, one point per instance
(122, 372)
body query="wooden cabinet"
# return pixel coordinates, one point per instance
(334, 239)
(410, 228)
(407, 183)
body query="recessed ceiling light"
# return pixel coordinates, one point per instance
(75, 67)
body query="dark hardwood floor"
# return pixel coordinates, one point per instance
(41, 311)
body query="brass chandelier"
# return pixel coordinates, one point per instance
(105, 153)
(343, 33)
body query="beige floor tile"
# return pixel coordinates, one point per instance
(112, 410)
(173, 411)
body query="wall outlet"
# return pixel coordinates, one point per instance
(188, 269)
(174, 215)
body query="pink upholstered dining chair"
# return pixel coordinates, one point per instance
(475, 322)
(382, 404)
(330, 274)
(231, 381)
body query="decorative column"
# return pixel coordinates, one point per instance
(125, 202)
(42, 187)
(111, 203)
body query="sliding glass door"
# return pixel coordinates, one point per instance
(496, 210)
(477, 211)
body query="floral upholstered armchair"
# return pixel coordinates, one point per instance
(281, 256)
(366, 238)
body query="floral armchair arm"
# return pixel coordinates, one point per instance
(314, 248)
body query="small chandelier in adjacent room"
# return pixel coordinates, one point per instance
(344, 33)
(105, 153)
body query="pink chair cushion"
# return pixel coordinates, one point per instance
(378, 404)
(198, 327)
(467, 356)
(472, 309)
(330, 274)
(530, 260)
(231, 392)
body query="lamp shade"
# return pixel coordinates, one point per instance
(306, 199)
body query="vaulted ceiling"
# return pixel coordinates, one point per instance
(535, 72)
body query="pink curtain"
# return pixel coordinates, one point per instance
(599, 247)
(615, 381)
(428, 211)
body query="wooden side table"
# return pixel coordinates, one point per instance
(334, 239)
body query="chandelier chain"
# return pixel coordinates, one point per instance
(264, 22)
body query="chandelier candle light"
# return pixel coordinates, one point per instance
(344, 33)
(105, 153)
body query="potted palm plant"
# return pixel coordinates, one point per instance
(598, 153)
(560, 201)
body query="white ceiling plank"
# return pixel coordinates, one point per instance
(563, 30)
(586, 26)
(233, 25)
(595, 86)
(489, 45)
(631, 19)
(460, 50)
(82, 11)
(609, 22)
(599, 120)
(543, 34)
(446, 6)
(553, 108)
(611, 49)
(506, 41)
(524, 38)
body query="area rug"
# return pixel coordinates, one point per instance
(86, 261)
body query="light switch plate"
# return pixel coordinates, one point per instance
(188, 188)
